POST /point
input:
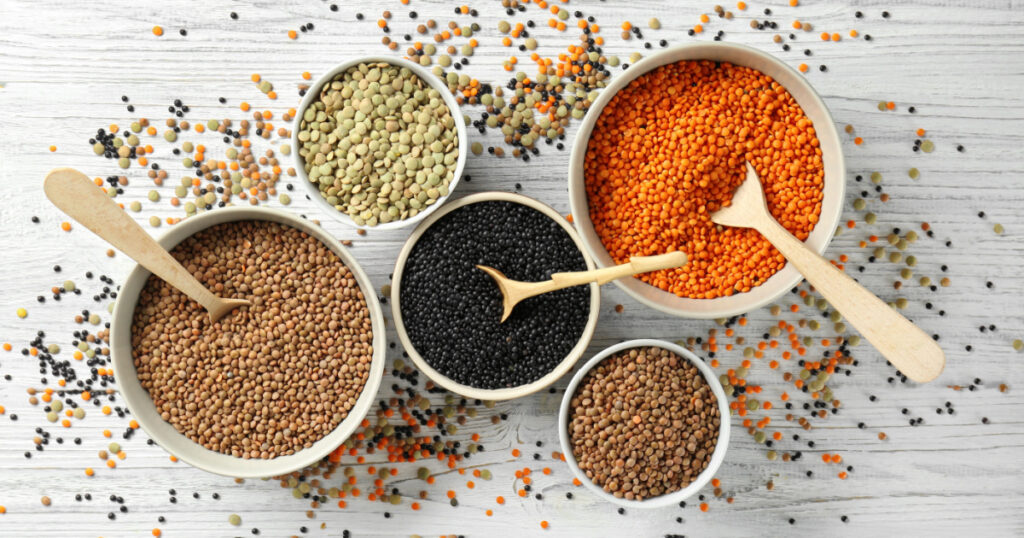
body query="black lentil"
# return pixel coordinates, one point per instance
(451, 309)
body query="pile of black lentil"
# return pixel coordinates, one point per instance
(452, 310)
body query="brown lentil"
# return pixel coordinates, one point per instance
(269, 379)
(644, 423)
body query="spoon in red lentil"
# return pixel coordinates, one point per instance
(75, 194)
(515, 291)
(906, 346)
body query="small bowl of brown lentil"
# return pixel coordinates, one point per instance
(644, 424)
(664, 146)
(447, 312)
(379, 142)
(272, 387)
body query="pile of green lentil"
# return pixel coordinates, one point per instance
(379, 143)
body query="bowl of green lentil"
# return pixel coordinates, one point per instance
(273, 387)
(448, 313)
(644, 424)
(379, 142)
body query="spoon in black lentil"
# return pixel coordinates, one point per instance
(515, 291)
(75, 194)
(905, 345)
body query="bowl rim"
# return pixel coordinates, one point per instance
(453, 106)
(506, 393)
(141, 405)
(717, 455)
(833, 188)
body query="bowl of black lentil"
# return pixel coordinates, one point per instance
(447, 312)
(379, 142)
(644, 424)
(271, 388)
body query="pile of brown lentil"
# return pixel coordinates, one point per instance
(269, 379)
(644, 423)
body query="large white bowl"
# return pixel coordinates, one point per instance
(717, 456)
(493, 394)
(834, 187)
(146, 413)
(313, 93)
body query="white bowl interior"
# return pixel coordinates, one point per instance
(145, 412)
(493, 394)
(833, 189)
(662, 500)
(314, 92)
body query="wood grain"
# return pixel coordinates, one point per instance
(64, 67)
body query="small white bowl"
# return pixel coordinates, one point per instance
(146, 413)
(717, 456)
(493, 394)
(313, 93)
(833, 189)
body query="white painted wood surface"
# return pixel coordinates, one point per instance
(64, 66)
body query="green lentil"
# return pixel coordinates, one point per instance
(859, 204)
(876, 177)
(911, 261)
(235, 519)
(913, 173)
(94, 319)
(654, 24)
(114, 448)
(504, 27)
(901, 303)
(154, 221)
(170, 135)
(53, 349)
(477, 148)
(927, 146)
(870, 218)
(1018, 344)
(895, 257)
(153, 196)
(531, 43)
(925, 281)
(284, 199)
(79, 413)
(69, 285)
(124, 162)
(380, 143)
(998, 228)
(187, 147)
(906, 273)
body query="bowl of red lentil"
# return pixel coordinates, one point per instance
(644, 424)
(379, 142)
(448, 313)
(664, 146)
(272, 387)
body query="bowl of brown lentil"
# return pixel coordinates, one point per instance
(448, 313)
(379, 142)
(644, 424)
(272, 387)
(664, 146)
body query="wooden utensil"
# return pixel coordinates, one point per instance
(514, 291)
(907, 347)
(75, 194)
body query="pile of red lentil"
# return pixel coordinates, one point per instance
(669, 149)
(415, 426)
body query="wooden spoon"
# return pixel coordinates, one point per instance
(75, 194)
(514, 291)
(907, 347)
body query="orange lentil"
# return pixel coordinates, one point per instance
(292, 34)
(66, 226)
(858, 140)
(543, 524)
(803, 68)
(156, 532)
(89, 471)
(158, 31)
(890, 105)
(703, 507)
(649, 198)
(853, 33)
(500, 500)
(836, 37)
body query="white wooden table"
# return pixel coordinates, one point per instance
(65, 65)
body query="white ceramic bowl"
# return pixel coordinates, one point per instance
(146, 413)
(314, 93)
(662, 500)
(493, 394)
(834, 182)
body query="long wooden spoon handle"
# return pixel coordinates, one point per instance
(635, 266)
(75, 194)
(906, 346)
